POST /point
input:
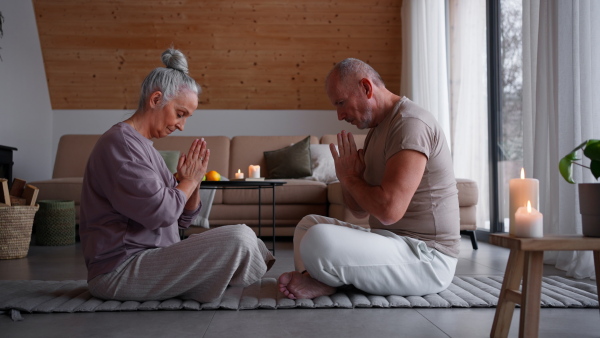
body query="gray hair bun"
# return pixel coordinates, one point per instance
(173, 58)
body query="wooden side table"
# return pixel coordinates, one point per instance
(257, 185)
(525, 263)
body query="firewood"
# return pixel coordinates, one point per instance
(30, 194)
(4, 195)
(17, 187)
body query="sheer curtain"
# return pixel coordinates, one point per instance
(468, 96)
(453, 87)
(424, 77)
(561, 108)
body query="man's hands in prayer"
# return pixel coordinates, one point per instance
(349, 162)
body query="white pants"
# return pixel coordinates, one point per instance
(373, 260)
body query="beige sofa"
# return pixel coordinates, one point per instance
(295, 199)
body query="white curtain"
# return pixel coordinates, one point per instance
(424, 77)
(468, 96)
(561, 109)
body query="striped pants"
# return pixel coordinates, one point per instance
(199, 268)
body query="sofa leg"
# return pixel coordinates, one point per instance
(471, 234)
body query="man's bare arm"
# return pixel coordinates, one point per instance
(351, 204)
(389, 200)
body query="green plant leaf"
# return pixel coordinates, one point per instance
(592, 150)
(595, 168)
(565, 166)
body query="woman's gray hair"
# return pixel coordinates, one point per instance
(170, 81)
(353, 67)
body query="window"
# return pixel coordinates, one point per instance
(505, 45)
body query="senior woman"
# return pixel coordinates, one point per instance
(132, 206)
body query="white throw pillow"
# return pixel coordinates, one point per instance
(323, 168)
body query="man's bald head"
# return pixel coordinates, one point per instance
(350, 70)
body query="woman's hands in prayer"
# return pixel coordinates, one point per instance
(192, 166)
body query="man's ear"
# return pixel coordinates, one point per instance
(366, 87)
(155, 98)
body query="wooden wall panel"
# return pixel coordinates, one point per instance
(246, 54)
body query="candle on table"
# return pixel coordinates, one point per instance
(254, 171)
(529, 222)
(522, 190)
(239, 175)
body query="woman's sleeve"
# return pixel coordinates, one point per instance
(141, 195)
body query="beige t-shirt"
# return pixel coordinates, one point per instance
(433, 214)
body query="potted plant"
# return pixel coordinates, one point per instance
(589, 193)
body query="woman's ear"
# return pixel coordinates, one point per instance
(155, 98)
(366, 87)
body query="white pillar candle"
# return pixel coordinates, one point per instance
(254, 171)
(529, 222)
(522, 190)
(239, 175)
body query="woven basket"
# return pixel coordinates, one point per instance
(15, 230)
(54, 223)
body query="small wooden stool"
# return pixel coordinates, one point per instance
(525, 263)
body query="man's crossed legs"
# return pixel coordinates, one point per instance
(329, 253)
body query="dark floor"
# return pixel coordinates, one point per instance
(66, 263)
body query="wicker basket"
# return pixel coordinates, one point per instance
(54, 223)
(15, 230)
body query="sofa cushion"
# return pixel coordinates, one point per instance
(287, 215)
(218, 145)
(295, 191)
(171, 158)
(72, 155)
(323, 168)
(247, 150)
(292, 161)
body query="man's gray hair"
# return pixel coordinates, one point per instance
(170, 81)
(352, 67)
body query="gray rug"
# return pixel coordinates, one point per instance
(73, 296)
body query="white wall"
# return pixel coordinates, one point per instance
(211, 122)
(28, 123)
(25, 110)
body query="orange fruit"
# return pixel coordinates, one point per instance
(213, 176)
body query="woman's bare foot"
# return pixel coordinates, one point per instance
(296, 285)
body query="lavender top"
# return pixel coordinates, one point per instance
(128, 201)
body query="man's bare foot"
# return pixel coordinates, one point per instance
(295, 285)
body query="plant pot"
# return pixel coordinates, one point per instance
(589, 206)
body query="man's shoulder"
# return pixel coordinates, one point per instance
(409, 109)
(410, 115)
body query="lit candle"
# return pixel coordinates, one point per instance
(522, 190)
(529, 222)
(254, 171)
(239, 175)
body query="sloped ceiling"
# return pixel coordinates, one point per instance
(246, 54)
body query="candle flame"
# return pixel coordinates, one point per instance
(239, 171)
(529, 207)
(522, 173)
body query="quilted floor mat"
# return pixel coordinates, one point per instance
(73, 296)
